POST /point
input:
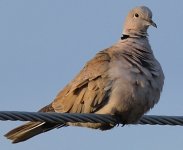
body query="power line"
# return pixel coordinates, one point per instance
(93, 118)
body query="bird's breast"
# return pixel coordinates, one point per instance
(132, 93)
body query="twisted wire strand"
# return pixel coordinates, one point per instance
(93, 118)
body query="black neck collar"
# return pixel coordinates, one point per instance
(124, 37)
(127, 36)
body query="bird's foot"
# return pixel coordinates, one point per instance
(118, 120)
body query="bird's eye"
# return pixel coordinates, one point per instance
(136, 15)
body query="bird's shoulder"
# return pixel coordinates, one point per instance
(89, 89)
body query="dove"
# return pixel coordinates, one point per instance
(124, 80)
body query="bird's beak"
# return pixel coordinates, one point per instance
(152, 23)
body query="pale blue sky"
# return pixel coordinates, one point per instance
(44, 43)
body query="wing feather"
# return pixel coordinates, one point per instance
(87, 92)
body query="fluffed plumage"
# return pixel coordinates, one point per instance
(124, 80)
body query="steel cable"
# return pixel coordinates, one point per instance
(93, 118)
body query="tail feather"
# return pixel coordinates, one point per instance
(29, 130)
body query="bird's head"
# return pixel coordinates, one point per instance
(137, 21)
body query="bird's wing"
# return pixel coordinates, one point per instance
(90, 89)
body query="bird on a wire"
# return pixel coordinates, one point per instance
(124, 80)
